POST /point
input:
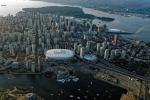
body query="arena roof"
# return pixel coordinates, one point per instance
(59, 54)
(90, 57)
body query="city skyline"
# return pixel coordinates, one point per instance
(74, 51)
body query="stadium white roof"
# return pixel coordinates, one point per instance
(90, 57)
(59, 54)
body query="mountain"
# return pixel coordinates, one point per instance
(113, 3)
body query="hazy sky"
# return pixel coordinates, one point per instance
(11, 1)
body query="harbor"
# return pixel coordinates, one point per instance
(60, 52)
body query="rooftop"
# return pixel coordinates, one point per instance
(59, 54)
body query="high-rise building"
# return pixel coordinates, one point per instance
(82, 50)
(112, 54)
(33, 67)
(98, 48)
(102, 50)
(33, 48)
(106, 54)
(75, 47)
(115, 39)
(123, 54)
(27, 50)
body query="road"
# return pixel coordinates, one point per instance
(108, 66)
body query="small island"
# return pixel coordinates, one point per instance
(66, 11)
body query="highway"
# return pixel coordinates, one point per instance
(108, 66)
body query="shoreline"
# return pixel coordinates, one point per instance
(99, 9)
(119, 26)
(75, 86)
(71, 11)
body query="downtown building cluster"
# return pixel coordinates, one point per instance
(25, 38)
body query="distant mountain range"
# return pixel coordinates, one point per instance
(114, 3)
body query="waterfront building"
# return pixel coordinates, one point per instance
(33, 67)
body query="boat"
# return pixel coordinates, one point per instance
(61, 80)
(75, 79)
(85, 97)
(52, 94)
(78, 98)
(71, 96)
(3, 5)
(79, 89)
(97, 94)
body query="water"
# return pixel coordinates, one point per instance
(47, 86)
(14, 6)
(137, 25)
(44, 86)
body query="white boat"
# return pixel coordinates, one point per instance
(61, 80)
(71, 96)
(3, 5)
(75, 79)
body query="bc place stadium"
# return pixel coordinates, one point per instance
(59, 54)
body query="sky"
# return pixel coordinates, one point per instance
(11, 1)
